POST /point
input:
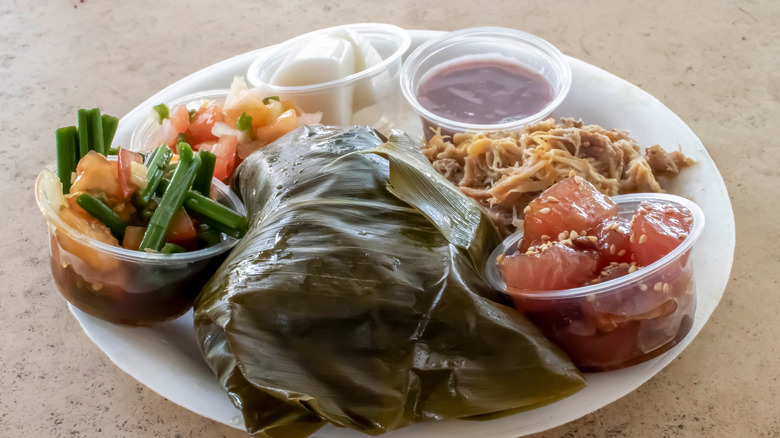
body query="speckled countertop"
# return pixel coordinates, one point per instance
(714, 63)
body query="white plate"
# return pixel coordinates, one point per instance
(166, 358)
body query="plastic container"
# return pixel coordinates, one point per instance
(125, 286)
(620, 322)
(484, 44)
(369, 97)
(144, 131)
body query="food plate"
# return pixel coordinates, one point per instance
(166, 357)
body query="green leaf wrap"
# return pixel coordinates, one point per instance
(345, 304)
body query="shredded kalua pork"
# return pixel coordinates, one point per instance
(506, 171)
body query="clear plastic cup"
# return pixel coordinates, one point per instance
(479, 44)
(121, 285)
(139, 141)
(621, 322)
(369, 97)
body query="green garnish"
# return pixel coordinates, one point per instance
(244, 123)
(192, 113)
(268, 99)
(162, 112)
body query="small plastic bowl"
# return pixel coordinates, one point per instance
(124, 286)
(370, 97)
(479, 44)
(144, 131)
(621, 322)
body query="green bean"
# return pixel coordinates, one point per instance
(103, 213)
(67, 139)
(172, 199)
(202, 182)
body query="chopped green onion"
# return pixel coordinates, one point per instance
(162, 112)
(155, 167)
(209, 236)
(172, 248)
(181, 138)
(202, 182)
(113, 151)
(96, 140)
(102, 213)
(172, 199)
(83, 118)
(67, 139)
(268, 99)
(110, 124)
(244, 123)
(192, 113)
(213, 213)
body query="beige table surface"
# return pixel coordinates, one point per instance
(715, 63)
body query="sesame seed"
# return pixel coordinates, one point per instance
(526, 209)
(631, 239)
(563, 235)
(643, 238)
(583, 233)
(96, 286)
(545, 210)
(688, 220)
(593, 238)
(545, 237)
(566, 242)
(612, 248)
(658, 287)
(621, 253)
(642, 287)
(572, 173)
(666, 288)
(573, 234)
(552, 199)
(683, 235)
(590, 298)
(632, 269)
(500, 258)
(578, 179)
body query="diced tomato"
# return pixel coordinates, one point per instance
(557, 267)
(181, 231)
(133, 237)
(658, 228)
(202, 123)
(96, 174)
(225, 150)
(571, 204)
(613, 243)
(286, 122)
(180, 119)
(126, 186)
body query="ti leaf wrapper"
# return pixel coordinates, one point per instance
(345, 304)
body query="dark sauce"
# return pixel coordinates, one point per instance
(485, 92)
